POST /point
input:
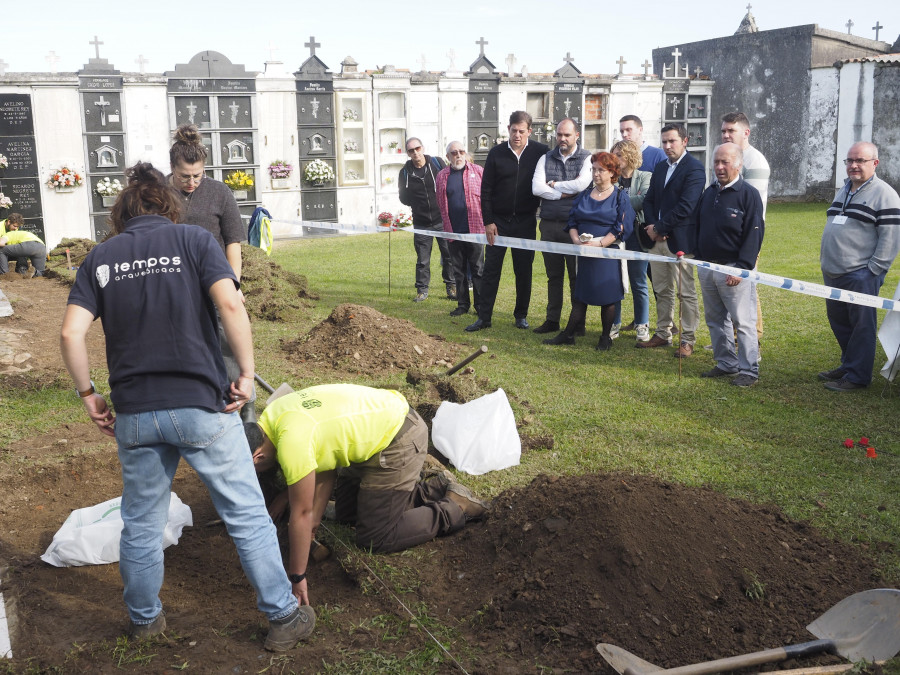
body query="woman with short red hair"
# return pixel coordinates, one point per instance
(602, 216)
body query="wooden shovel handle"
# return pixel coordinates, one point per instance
(745, 660)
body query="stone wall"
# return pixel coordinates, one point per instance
(886, 122)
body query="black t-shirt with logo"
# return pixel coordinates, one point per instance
(150, 288)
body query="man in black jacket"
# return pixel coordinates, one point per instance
(675, 189)
(509, 207)
(417, 191)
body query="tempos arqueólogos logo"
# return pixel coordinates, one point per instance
(103, 275)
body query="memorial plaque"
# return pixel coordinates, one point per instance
(35, 226)
(675, 107)
(567, 104)
(315, 87)
(102, 112)
(487, 85)
(21, 154)
(16, 115)
(100, 226)
(319, 205)
(483, 108)
(192, 110)
(105, 152)
(315, 109)
(237, 148)
(316, 142)
(25, 194)
(100, 83)
(237, 86)
(188, 85)
(234, 112)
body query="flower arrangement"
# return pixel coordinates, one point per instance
(280, 169)
(394, 145)
(238, 180)
(351, 146)
(317, 171)
(6, 202)
(109, 188)
(403, 220)
(385, 218)
(3, 162)
(350, 115)
(65, 177)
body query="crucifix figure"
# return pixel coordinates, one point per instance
(697, 71)
(676, 54)
(647, 66)
(315, 108)
(52, 60)
(675, 101)
(141, 61)
(312, 44)
(511, 64)
(621, 63)
(102, 103)
(235, 109)
(877, 27)
(483, 105)
(96, 44)
(192, 111)
(849, 25)
(481, 42)
(567, 106)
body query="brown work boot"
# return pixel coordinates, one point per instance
(655, 341)
(140, 631)
(285, 634)
(684, 351)
(472, 507)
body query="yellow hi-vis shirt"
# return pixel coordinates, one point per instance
(331, 425)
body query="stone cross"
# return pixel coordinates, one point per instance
(849, 25)
(235, 109)
(697, 71)
(481, 42)
(646, 66)
(192, 111)
(748, 7)
(568, 106)
(3, 66)
(877, 27)
(482, 104)
(209, 62)
(524, 72)
(423, 61)
(102, 103)
(52, 59)
(315, 108)
(141, 61)
(676, 54)
(511, 64)
(675, 101)
(312, 44)
(568, 58)
(452, 56)
(96, 44)
(621, 63)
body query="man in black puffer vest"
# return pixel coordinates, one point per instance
(509, 209)
(560, 175)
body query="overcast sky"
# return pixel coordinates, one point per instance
(166, 32)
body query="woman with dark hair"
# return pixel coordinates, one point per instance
(602, 216)
(211, 205)
(156, 287)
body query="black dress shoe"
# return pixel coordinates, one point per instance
(459, 311)
(522, 323)
(562, 339)
(478, 325)
(547, 327)
(579, 332)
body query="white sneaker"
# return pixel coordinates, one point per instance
(643, 332)
(614, 331)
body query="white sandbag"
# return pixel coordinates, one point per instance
(478, 436)
(90, 536)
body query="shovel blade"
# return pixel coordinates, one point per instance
(865, 625)
(283, 388)
(622, 660)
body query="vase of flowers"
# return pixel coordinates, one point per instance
(65, 179)
(6, 202)
(109, 190)
(240, 183)
(280, 174)
(4, 162)
(385, 218)
(394, 145)
(317, 173)
(403, 220)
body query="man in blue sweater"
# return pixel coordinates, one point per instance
(730, 232)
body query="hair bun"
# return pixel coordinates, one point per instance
(188, 133)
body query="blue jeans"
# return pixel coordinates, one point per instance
(855, 326)
(150, 447)
(640, 293)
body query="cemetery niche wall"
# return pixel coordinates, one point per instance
(20, 180)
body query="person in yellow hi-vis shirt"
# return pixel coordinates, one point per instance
(368, 445)
(21, 246)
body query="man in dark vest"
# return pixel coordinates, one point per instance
(559, 176)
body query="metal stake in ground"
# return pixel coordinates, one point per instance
(466, 361)
(678, 270)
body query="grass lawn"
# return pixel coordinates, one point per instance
(629, 410)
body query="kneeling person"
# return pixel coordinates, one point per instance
(370, 446)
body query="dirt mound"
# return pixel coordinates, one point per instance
(62, 266)
(358, 339)
(272, 293)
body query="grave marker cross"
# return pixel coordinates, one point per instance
(510, 64)
(209, 63)
(141, 61)
(481, 42)
(312, 44)
(877, 27)
(52, 60)
(102, 103)
(849, 25)
(697, 71)
(676, 54)
(568, 58)
(96, 44)
(621, 63)
(647, 66)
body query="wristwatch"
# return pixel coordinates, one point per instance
(296, 578)
(86, 392)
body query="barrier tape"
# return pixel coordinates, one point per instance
(785, 283)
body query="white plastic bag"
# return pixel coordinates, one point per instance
(478, 436)
(90, 536)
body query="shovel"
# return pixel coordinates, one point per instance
(283, 388)
(865, 625)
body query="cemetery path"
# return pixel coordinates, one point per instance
(673, 574)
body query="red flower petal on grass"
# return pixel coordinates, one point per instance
(849, 443)
(864, 440)
(870, 452)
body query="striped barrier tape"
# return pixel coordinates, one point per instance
(786, 283)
